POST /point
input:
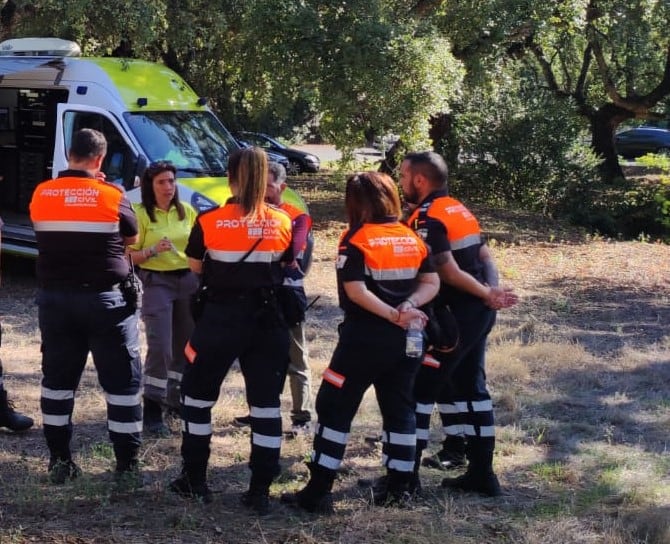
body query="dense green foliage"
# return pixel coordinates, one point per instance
(525, 87)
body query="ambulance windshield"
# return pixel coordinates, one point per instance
(194, 141)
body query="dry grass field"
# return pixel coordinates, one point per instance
(579, 372)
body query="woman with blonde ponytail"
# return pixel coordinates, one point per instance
(239, 248)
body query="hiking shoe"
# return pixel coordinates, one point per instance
(259, 501)
(314, 505)
(242, 421)
(10, 418)
(183, 486)
(485, 483)
(61, 470)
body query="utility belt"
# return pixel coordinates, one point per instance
(257, 296)
(85, 287)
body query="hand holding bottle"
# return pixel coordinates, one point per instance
(414, 339)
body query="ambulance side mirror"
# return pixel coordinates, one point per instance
(141, 165)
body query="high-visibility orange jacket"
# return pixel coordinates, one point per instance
(447, 225)
(80, 223)
(387, 256)
(223, 236)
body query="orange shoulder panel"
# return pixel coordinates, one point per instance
(75, 199)
(227, 229)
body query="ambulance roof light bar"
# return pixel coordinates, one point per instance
(39, 47)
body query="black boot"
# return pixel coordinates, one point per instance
(380, 485)
(127, 475)
(152, 415)
(316, 496)
(479, 477)
(257, 497)
(62, 469)
(396, 492)
(192, 485)
(10, 418)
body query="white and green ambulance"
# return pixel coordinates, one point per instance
(146, 111)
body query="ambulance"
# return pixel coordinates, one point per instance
(145, 110)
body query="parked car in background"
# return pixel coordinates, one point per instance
(272, 156)
(385, 142)
(299, 161)
(639, 141)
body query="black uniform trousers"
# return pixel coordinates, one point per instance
(457, 381)
(74, 322)
(370, 351)
(248, 329)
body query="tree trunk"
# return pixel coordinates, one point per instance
(389, 164)
(604, 123)
(7, 18)
(441, 132)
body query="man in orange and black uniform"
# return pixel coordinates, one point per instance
(83, 226)
(454, 236)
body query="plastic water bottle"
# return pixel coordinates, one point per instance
(414, 339)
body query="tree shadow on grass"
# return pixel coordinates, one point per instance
(613, 408)
(602, 317)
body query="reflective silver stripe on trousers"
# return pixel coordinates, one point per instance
(447, 408)
(402, 439)
(335, 436)
(328, 461)
(469, 430)
(424, 408)
(454, 430)
(487, 431)
(265, 413)
(266, 441)
(197, 403)
(57, 394)
(173, 375)
(156, 382)
(55, 420)
(397, 464)
(199, 429)
(462, 407)
(482, 405)
(422, 434)
(128, 427)
(123, 400)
